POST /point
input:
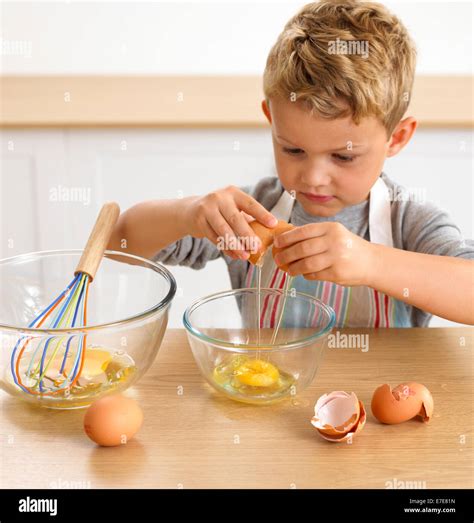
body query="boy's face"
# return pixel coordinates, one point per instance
(317, 156)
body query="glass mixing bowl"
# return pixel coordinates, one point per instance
(127, 314)
(258, 362)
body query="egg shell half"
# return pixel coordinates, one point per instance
(352, 432)
(338, 416)
(266, 236)
(403, 403)
(276, 250)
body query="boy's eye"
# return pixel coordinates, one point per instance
(343, 157)
(290, 150)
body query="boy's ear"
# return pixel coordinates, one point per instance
(266, 111)
(401, 135)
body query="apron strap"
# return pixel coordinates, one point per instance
(282, 211)
(380, 224)
(283, 207)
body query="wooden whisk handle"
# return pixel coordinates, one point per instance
(98, 239)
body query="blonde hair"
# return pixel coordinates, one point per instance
(310, 61)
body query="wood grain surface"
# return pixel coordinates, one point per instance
(193, 437)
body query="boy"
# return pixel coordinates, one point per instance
(337, 84)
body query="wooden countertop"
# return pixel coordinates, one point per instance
(199, 439)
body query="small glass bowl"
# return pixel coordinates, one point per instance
(258, 365)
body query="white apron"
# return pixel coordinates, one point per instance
(358, 306)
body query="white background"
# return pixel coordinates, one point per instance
(188, 38)
(218, 37)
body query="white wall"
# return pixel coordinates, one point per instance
(220, 37)
(134, 165)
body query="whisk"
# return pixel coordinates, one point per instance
(55, 364)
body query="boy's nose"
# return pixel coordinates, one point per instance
(315, 177)
(316, 172)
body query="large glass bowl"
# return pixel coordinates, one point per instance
(258, 362)
(127, 314)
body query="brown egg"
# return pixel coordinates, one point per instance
(402, 403)
(113, 420)
(266, 236)
(275, 250)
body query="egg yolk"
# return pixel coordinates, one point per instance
(95, 362)
(257, 373)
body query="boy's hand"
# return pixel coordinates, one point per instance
(326, 251)
(222, 216)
